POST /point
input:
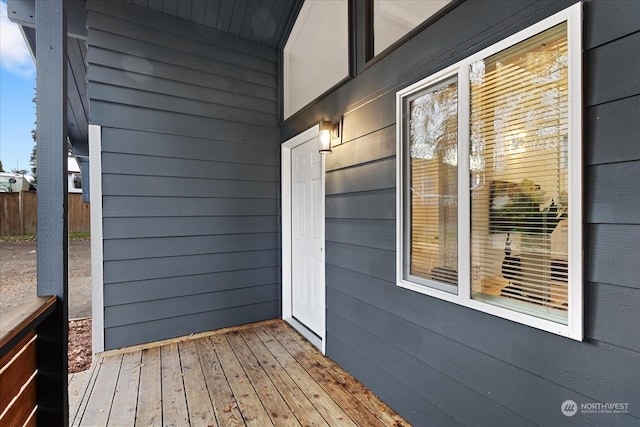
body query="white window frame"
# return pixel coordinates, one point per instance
(433, 82)
(574, 328)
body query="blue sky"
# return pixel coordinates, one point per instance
(17, 89)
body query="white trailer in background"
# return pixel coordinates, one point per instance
(13, 182)
(74, 177)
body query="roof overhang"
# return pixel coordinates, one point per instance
(22, 12)
(266, 23)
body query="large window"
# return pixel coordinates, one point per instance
(316, 56)
(490, 176)
(392, 19)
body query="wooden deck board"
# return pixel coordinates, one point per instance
(126, 394)
(174, 401)
(224, 403)
(76, 415)
(328, 408)
(362, 393)
(100, 401)
(302, 407)
(76, 387)
(268, 394)
(248, 401)
(258, 375)
(149, 410)
(198, 401)
(349, 403)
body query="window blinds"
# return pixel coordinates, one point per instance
(519, 127)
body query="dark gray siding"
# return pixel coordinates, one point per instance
(190, 174)
(442, 364)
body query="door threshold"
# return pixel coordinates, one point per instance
(307, 333)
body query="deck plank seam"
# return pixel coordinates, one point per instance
(113, 395)
(195, 373)
(256, 356)
(326, 389)
(184, 385)
(294, 383)
(344, 378)
(289, 372)
(229, 364)
(232, 406)
(246, 364)
(88, 390)
(314, 396)
(206, 383)
(247, 377)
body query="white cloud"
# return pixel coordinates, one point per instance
(14, 54)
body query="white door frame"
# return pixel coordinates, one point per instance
(287, 314)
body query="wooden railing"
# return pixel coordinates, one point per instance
(18, 361)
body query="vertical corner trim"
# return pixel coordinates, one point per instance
(97, 266)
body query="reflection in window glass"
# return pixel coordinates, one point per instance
(519, 177)
(392, 19)
(316, 53)
(519, 151)
(433, 188)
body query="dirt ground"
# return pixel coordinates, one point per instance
(18, 264)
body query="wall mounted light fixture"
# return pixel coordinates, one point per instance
(328, 132)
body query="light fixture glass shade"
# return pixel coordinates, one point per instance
(325, 137)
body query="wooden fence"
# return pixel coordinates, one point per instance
(18, 213)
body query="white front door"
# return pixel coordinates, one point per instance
(303, 233)
(307, 237)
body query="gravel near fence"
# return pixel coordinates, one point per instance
(18, 279)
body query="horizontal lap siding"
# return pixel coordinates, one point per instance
(507, 341)
(441, 364)
(190, 174)
(156, 330)
(612, 164)
(175, 286)
(199, 303)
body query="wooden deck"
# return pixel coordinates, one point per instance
(258, 375)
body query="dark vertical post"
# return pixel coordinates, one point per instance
(360, 34)
(51, 57)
